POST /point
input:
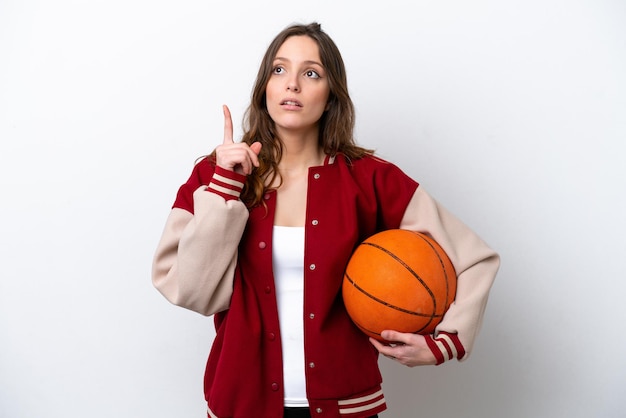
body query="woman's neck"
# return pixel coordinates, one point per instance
(300, 153)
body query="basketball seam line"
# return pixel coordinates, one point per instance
(434, 315)
(406, 266)
(443, 265)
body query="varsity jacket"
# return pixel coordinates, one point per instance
(215, 257)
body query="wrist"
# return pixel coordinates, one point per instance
(226, 183)
(445, 346)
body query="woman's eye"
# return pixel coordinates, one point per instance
(312, 74)
(278, 70)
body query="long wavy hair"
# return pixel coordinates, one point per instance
(336, 126)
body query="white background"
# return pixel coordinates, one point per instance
(512, 114)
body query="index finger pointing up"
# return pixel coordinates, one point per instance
(228, 126)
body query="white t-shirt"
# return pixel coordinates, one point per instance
(288, 260)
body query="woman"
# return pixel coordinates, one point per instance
(261, 233)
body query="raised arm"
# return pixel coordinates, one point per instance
(195, 260)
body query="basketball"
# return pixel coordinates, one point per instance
(398, 280)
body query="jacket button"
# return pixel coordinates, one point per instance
(316, 176)
(274, 387)
(271, 336)
(311, 315)
(312, 267)
(315, 222)
(266, 196)
(268, 289)
(312, 365)
(262, 245)
(318, 410)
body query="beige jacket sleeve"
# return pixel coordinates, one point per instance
(475, 263)
(195, 260)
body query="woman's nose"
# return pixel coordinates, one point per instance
(292, 85)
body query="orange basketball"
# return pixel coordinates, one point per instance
(398, 280)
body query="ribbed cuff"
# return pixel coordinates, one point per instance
(227, 183)
(445, 346)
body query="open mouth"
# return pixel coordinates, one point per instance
(291, 103)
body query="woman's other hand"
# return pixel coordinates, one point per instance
(406, 348)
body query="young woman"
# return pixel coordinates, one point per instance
(261, 233)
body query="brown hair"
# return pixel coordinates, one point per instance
(336, 125)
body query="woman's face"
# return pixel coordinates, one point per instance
(298, 90)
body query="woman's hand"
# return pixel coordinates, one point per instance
(238, 157)
(406, 348)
